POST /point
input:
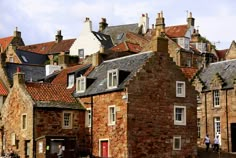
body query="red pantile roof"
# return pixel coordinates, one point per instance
(49, 92)
(3, 89)
(127, 46)
(4, 42)
(176, 31)
(62, 46)
(189, 72)
(221, 53)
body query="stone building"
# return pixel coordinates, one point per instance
(37, 117)
(140, 106)
(217, 103)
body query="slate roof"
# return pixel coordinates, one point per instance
(51, 95)
(117, 32)
(129, 64)
(4, 42)
(104, 39)
(226, 69)
(32, 72)
(31, 58)
(176, 31)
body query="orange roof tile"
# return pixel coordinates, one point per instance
(4, 42)
(221, 53)
(127, 46)
(189, 72)
(49, 92)
(62, 46)
(176, 31)
(41, 48)
(3, 89)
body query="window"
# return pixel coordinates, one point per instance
(198, 128)
(180, 89)
(81, 53)
(177, 143)
(88, 117)
(24, 121)
(189, 62)
(13, 139)
(11, 59)
(71, 80)
(217, 125)
(183, 42)
(24, 59)
(111, 115)
(27, 148)
(179, 115)
(67, 120)
(112, 76)
(216, 98)
(81, 84)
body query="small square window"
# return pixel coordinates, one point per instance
(81, 84)
(67, 120)
(112, 115)
(112, 76)
(24, 121)
(180, 89)
(177, 143)
(179, 115)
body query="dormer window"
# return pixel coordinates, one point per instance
(80, 84)
(71, 80)
(183, 42)
(112, 76)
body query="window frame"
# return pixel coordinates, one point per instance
(70, 124)
(111, 116)
(113, 72)
(174, 141)
(183, 115)
(79, 53)
(80, 88)
(24, 121)
(216, 98)
(183, 89)
(70, 84)
(217, 124)
(88, 119)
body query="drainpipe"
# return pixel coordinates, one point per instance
(92, 126)
(206, 110)
(227, 118)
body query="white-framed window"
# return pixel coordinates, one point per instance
(11, 59)
(112, 115)
(80, 84)
(67, 120)
(112, 76)
(216, 98)
(177, 143)
(179, 115)
(198, 127)
(13, 139)
(24, 121)
(71, 80)
(180, 89)
(81, 53)
(217, 125)
(88, 118)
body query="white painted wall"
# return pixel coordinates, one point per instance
(51, 68)
(144, 20)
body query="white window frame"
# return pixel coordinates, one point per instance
(81, 84)
(183, 115)
(216, 98)
(88, 118)
(174, 141)
(112, 73)
(71, 80)
(81, 53)
(69, 126)
(99, 148)
(13, 139)
(217, 125)
(111, 116)
(24, 121)
(180, 90)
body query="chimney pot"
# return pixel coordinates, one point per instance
(18, 69)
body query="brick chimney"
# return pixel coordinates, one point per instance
(103, 24)
(18, 77)
(17, 33)
(58, 37)
(160, 21)
(87, 26)
(190, 20)
(144, 22)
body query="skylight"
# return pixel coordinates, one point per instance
(24, 59)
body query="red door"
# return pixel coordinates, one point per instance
(104, 148)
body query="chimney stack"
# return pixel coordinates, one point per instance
(190, 20)
(103, 24)
(144, 23)
(17, 33)
(18, 77)
(58, 37)
(87, 26)
(160, 23)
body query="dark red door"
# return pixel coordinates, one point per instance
(104, 148)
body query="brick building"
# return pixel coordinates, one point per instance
(140, 106)
(37, 117)
(216, 103)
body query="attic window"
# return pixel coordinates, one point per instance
(99, 37)
(71, 80)
(112, 77)
(119, 36)
(24, 59)
(80, 84)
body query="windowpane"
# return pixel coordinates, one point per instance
(24, 121)
(67, 120)
(112, 79)
(180, 89)
(179, 114)
(177, 143)
(216, 98)
(112, 115)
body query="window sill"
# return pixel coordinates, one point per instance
(111, 124)
(179, 124)
(216, 107)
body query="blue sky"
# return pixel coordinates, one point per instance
(39, 20)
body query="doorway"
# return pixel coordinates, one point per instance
(233, 136)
